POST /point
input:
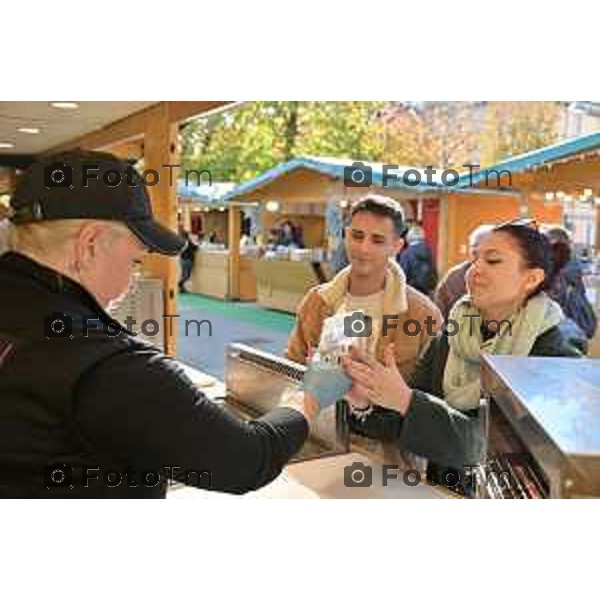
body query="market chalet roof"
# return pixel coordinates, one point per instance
(392, 175)
(535, 159)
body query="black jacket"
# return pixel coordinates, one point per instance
(111, 408)
(433, 429)
(418, 265)
(568, 289)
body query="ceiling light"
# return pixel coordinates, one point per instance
(272, 206)
(6, 145)
(65, 105)
(31, 130)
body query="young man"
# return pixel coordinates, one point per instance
(372, 284)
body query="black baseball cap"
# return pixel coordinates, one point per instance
(90, 185)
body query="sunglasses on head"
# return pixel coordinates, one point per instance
(521, 222)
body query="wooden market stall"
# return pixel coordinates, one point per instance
(203, 213)
(306, 191)
(465, 210)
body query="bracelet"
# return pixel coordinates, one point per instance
(360, 413)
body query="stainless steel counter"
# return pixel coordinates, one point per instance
(548, 408)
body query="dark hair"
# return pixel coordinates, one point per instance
(561, 254)
(535, 250)
(384, 207)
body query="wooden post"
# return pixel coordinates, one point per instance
(161, 148)
(445, 234)
(234, 224)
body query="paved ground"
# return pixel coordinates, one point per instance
(229, 322)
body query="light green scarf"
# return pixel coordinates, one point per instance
(462, 385)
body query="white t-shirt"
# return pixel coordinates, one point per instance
(371, 306)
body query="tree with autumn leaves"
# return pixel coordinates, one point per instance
(238, 144)
(516, 127)
(454, 134)
(440, 134)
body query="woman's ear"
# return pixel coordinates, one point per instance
(533, 280)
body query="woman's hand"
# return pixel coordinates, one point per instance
(381, 384)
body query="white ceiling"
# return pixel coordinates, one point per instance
(56, 125)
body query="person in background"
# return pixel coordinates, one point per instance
(435, 412)
(568, 289)
(289, 235)
(186, 259)
(246, 238)
(453, 285)
(417, 262)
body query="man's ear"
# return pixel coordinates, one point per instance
(397, 244)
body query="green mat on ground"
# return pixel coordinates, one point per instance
(241, 311)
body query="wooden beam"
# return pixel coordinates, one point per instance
(131, 150)
(182, 111)
(125, 129)
(134, 126)
(161, 148)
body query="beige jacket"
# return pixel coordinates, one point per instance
(399, 300)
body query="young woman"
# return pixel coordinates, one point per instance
(506, 311)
